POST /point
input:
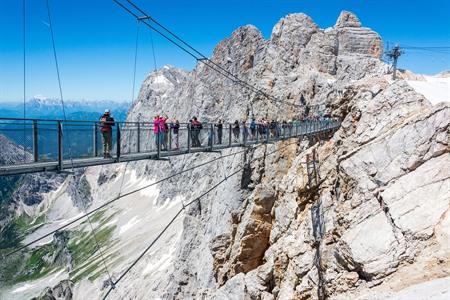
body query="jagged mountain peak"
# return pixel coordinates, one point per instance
(347, 19)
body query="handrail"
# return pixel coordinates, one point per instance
(45, 144)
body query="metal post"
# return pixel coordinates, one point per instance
(60, 147)
(138, 137)
(189, 138)
(257, 133)
(244, 138)
(35, 141)
(118, 142)
(170, 137)
(94, 140)
(212, 137)
(229, 134)
(158, 144)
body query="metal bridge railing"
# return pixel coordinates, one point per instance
(59, 141)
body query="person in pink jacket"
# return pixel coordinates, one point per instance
(164, 132)
(156, 130)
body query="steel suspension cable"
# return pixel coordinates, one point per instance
(135, 60)
(128, 269)
(187, 48)
(153, 50)
(24, 76)
(55, 56)
(68, 137)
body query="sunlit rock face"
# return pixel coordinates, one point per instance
(374, 226)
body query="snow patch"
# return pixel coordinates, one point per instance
(23, 288)
(130, 224)
(161, 79)
(435, 89)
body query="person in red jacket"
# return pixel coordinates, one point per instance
(106, 123)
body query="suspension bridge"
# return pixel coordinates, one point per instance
(57, 145)
(62, 145)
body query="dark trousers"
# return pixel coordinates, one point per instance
(219, 135)
(107, 138)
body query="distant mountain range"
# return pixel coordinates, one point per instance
(48, 108)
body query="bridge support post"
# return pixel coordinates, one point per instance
(94, 141)
(257, 133)
(229, 134)
(170, 137)
(244, 138)
(189, 138)
(60, 147)
(138, 137)
(118, 142)
(211, 137)
(158, 145)
(35, 141)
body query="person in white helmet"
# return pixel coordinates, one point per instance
(106, 123)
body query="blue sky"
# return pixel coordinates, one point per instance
(95, 39)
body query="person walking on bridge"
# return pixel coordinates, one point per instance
(164, 127)
(106, 123)
(236, 131)
(175, 131)
(196, 126)
(157, 131)
(219, 131)
(253, 128)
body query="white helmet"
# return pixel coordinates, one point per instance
(106, 111)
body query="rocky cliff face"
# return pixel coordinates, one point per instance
(371, 224)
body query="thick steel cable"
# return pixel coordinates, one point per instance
(24, 76)
(65, 119)
(55, 56)
(153, 50)
(135, 61)
(204, 58)
(198, 55)
(181, 210)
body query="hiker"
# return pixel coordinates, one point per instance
(164, 132)
(244, 131)
(106, 123)
(196, 126)
(175, 131)
(219, 131)
(157, 130)
(290, 127)
(261, 125)
(253, 128)
(284, 126)
(272, 128)
(236, 131)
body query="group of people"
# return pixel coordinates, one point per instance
(164, 129)
(161, 128)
